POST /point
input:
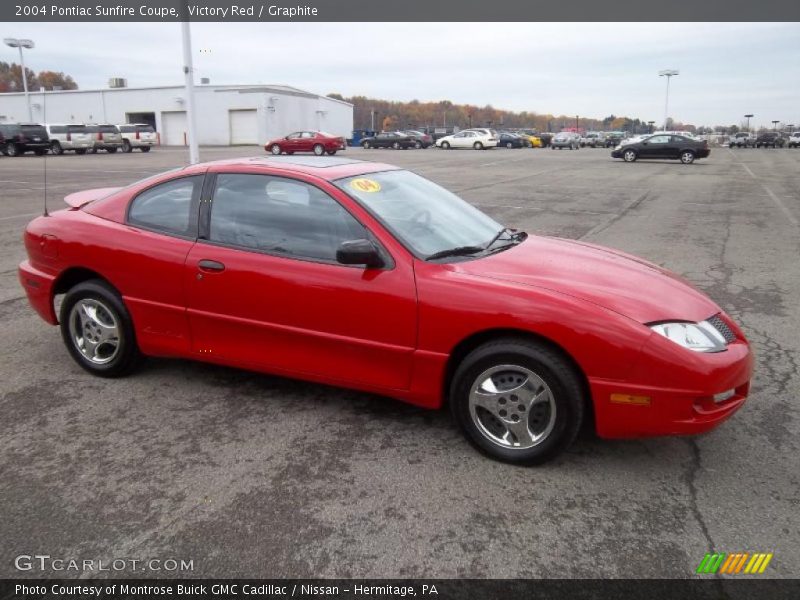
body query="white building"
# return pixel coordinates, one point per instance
(231, 114)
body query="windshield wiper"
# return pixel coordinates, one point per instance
(459, 251)
(515, 236)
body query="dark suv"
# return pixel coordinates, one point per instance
(20, 138)
(770, 139)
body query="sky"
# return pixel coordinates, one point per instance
(587, 69)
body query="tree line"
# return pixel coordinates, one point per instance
(11, 79)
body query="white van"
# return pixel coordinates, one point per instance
(137, 135)
(69, 136)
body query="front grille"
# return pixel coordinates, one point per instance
(717, 323)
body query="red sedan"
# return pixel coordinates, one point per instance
(367, 276)
(317, 142)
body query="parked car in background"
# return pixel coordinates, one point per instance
(613, 138)
(794, 140)
(389, 139)
(531, 138)
(421, 139)
(318, 142)
(662, 146)
(137, 135)
(105, 137)
(506, 139)
(545, 139)
(743, 139)
(19, 138)
(593, 139)
(769, 139)
(477, 139)
(69, 137)
(566, 139)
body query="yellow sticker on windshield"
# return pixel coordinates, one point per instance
(365, 185)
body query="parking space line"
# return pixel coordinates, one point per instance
(769, 192)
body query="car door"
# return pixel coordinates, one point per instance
(265, 290)
(462, 139)
(292, 142)
(653, 147)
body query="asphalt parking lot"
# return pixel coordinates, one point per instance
(257, 476)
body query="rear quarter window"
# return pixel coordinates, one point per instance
(168, 207)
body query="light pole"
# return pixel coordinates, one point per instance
(669, 74)
(188, 72)
(576, 124)
(748, 121)
(775, 125)
(372, 119)
(651, 123)
(15, 43)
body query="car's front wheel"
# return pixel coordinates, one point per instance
(396, 146)
(477, 146)
(687, 157)
(56, 148)
(331, 152)
(319, 149)
(97, 329)
(126, 147)
(275, 149)
(446, 145)
(629, 155)
(365, 145)
(517, 400)
(145, 148)
(418, 145)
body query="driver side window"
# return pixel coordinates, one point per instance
(659, 139)
(280, 216)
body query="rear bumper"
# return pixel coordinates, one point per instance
(672, 411)
(39, 288)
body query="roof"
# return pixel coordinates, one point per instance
(328, 168)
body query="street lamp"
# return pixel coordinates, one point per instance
(775, 125)
(16, 43)
(650, 123)
(669, 74)
(576, 124)
(748, 121)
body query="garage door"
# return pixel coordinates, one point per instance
(244, 126)
(173, 128)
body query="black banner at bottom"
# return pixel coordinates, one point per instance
(396, 589)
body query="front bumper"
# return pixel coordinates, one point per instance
(684, 404)
(39, 288)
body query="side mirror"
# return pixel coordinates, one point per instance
(359, 252)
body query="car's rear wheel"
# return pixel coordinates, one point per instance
(396, 145)
(518, 400)
(477, 146)
(446, 145)
(509, 145)
(417, 144)
(629, 155)
(366, 145)
(687, 157)
(97, 329)
(275, 149)
(126, 147)
(319, 149)
(56, 148)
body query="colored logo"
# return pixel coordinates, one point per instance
(735, 563)
(365, 185)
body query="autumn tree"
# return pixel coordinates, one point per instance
(11, 79)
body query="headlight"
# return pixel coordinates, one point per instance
(700, 337)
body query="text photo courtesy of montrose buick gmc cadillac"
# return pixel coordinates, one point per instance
(368, 276)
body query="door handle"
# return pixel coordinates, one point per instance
(210, 265)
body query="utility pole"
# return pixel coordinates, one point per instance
(669, 74)
(20, 44)
(188, 72)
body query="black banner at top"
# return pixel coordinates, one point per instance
(399, 10)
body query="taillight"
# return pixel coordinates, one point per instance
(137, 134)
(69, 137)
(99, 136)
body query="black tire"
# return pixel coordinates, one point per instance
(396, 146)
(145, 148)
(92, 150)
(446, 145)
(127, 356)
(418, 145)
(477, 146)
(546, 363)
(687, 157)
(319, 149)
(126, 147)
(80, 151)
(12, 149)
(56, 148)
(629, 155)
(275, 149)
(112, 150)
(509, 145)
(365, 145)
(331, 152)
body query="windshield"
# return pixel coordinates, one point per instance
(425, 218)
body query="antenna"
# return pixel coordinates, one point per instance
(44, 116)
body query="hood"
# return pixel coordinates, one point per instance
(617, 281)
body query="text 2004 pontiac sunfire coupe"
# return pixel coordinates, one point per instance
(368, 276)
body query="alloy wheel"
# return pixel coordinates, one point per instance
(94, 331)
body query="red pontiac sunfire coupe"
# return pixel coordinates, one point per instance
(367, 276)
